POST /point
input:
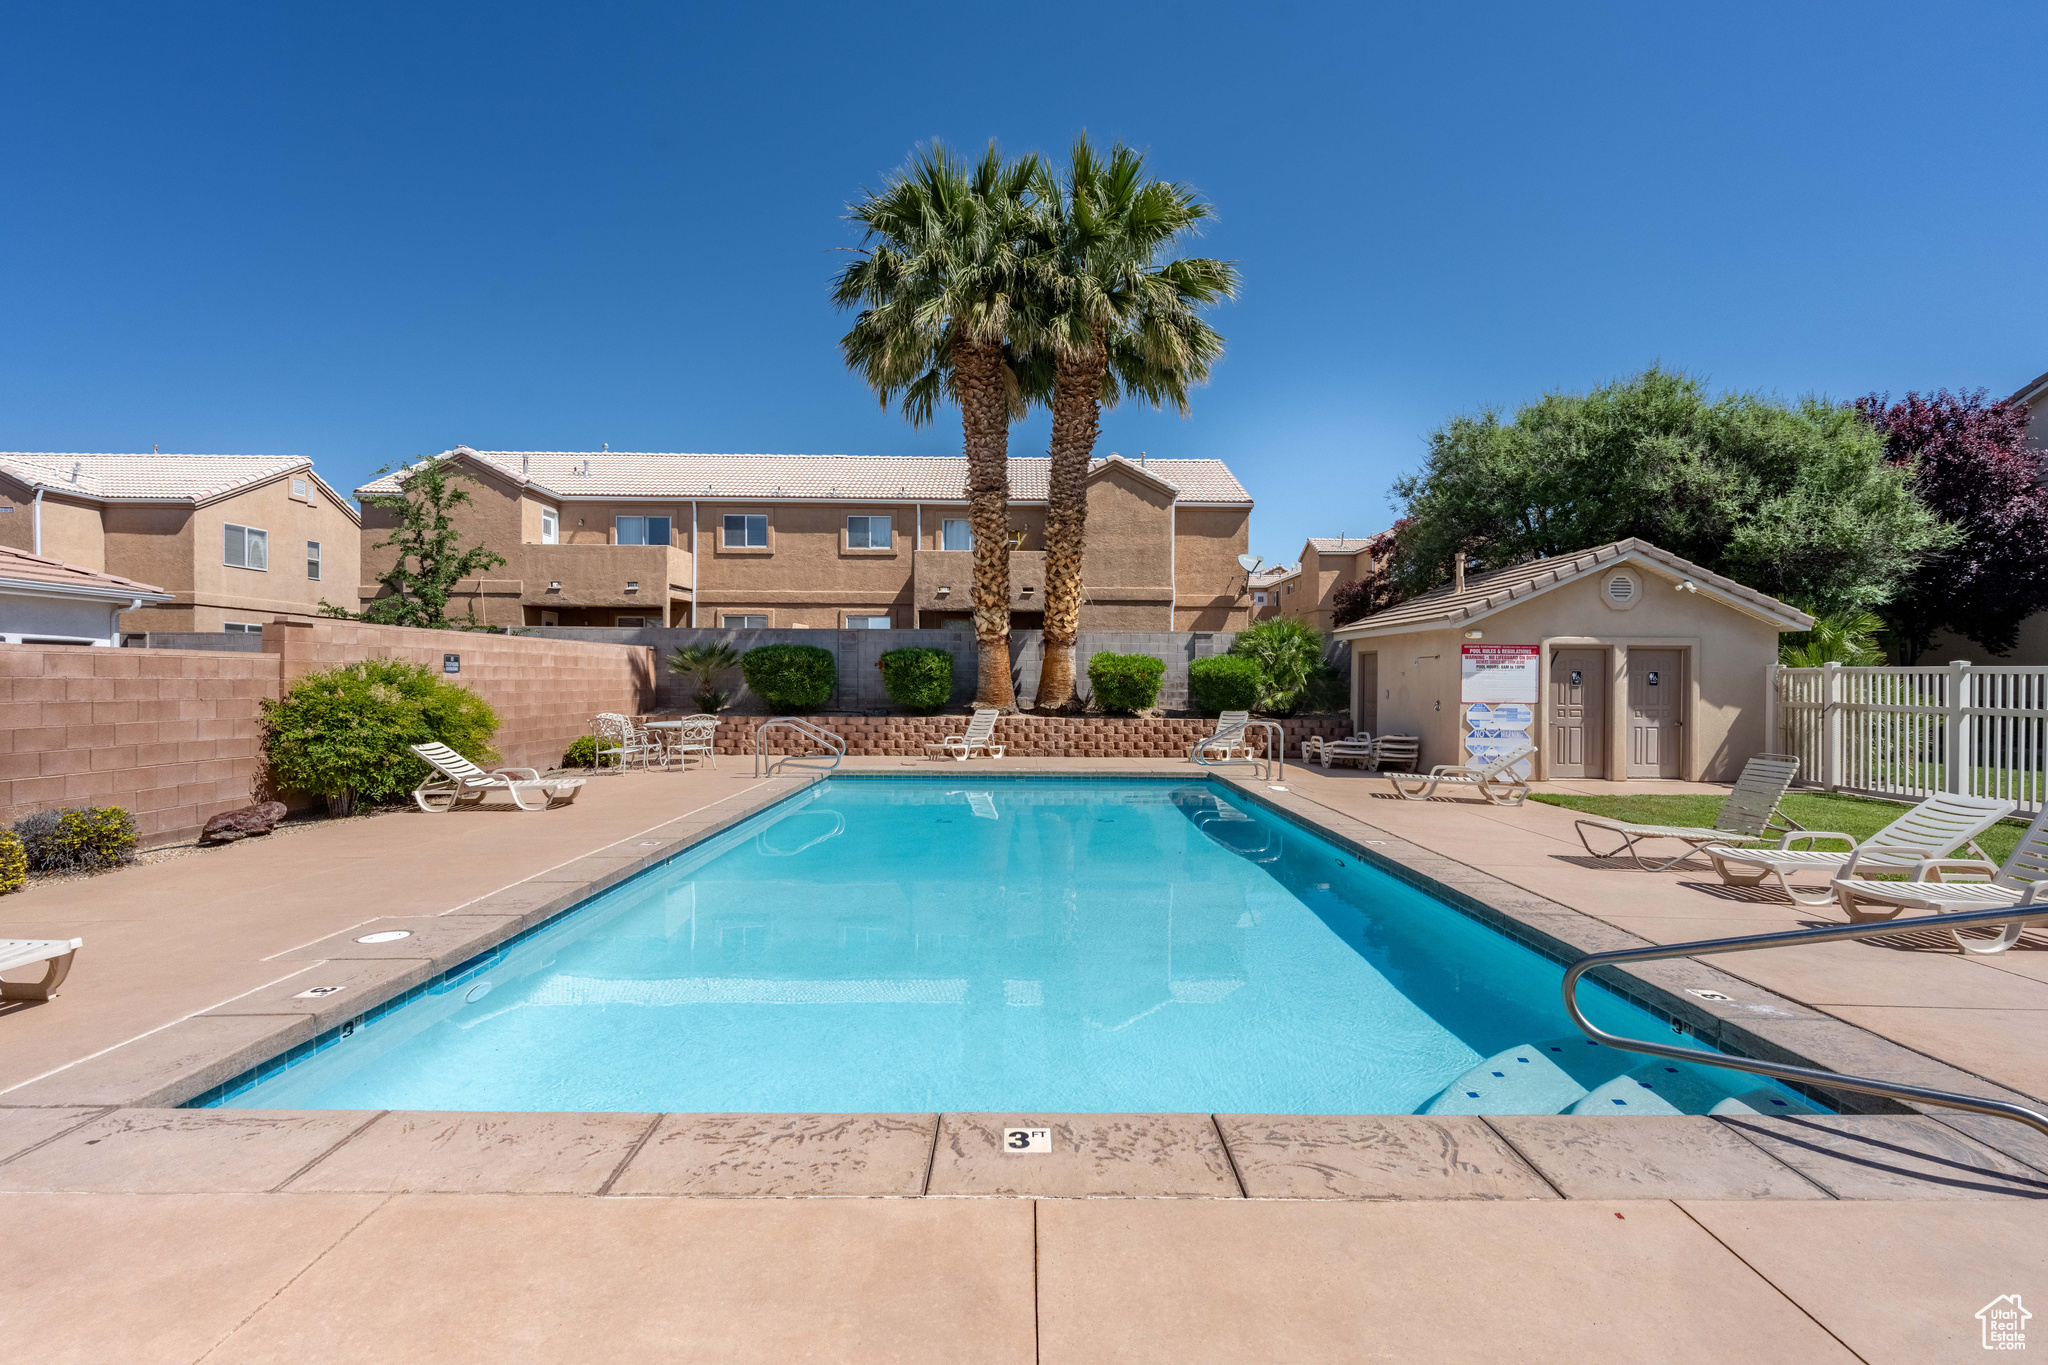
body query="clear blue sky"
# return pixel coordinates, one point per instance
(363, 233)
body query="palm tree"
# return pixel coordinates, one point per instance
(705, 662)
(945, 256)
(1113, 321)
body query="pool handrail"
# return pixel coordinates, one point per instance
(1274, 763)
(1785, 1071)
(824, 763)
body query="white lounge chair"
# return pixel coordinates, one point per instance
(1748, 815)
(1228, 740)
(1397, 751)
(1931, 831)
(456, 781)
(1495, 779)
(2021, 883)
(24, 952)
(980, 731)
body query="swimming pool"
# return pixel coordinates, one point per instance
(969, 943)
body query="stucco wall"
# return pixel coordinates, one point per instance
(1726, 651)
(1212, 590)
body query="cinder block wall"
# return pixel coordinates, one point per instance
(545, 691)
(169, 734)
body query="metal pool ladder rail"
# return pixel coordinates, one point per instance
(1275, 762)
(823, 763)
(1781, 1070)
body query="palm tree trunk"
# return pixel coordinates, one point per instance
(1076, 412)
(985, 432)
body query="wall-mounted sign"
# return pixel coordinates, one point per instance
(1652, 679)
(1499, 717)
(451, 663)
(1494, 673)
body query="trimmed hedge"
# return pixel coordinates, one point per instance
(795, 678)
(918, 678)
(1125, 683)
(83, 840)
(1226, 682)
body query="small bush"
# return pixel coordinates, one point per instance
(920, 679)
(1125, 683)
(13, 862)
(583, 754)
(83, 840)
(794, 678)
(1226, 682)
(1289, 657)
(342, 733)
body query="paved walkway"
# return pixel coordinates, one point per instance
(361, 1238)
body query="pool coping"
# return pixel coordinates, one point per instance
(183, 1062)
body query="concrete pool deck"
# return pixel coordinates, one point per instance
(251, 1235)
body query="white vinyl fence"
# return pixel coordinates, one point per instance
(1911, 732)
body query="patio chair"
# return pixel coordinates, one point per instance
(698, 735)
(1495, 779)
(620, 739)
(980, 731)
(1397, 751)
(23, 952)
(1750, 814)
(2021, 884)
(456, 781)
(1929, 832)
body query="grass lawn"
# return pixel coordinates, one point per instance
(1855, 815)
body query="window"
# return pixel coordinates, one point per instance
(634, 621)
(743, 622)
(313, 559)
(550, 526)
(242, 628)
(643, 530)
(247, 548)
(1258, 599)
(867, 623)
(867, 533)
(745, 532)
(956, 535)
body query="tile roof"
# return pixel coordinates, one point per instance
(627, 474)
(1494, 592)
(1274, 574)
(1338, 545)
(19, 568)
(152, 478)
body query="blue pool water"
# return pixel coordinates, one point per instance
(1016, 945)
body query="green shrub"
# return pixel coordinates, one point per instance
(82, 840)
(921, 679)
(342, 733)
(13, 862)
(583, 754)
(1289, 657)
(1125, 683)
(791, 677)
(1227, 682)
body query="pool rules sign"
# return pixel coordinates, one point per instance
(1497, 684)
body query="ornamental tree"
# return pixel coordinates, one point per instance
(431, 557)
(1971, 464)
(1796, 500)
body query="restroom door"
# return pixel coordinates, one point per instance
(1578, 720)
(1656, 713)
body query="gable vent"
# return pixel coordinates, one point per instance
(1621, 588)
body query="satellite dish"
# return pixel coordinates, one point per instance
(1249, 563)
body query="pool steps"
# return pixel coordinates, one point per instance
(1580, 1076)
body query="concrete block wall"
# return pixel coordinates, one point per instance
(1022, 736)
(545, 691)
(169, 734)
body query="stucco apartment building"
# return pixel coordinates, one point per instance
(234, 540)
(610, 538)
(1307, 592)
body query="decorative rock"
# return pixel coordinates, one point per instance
(231, 825)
